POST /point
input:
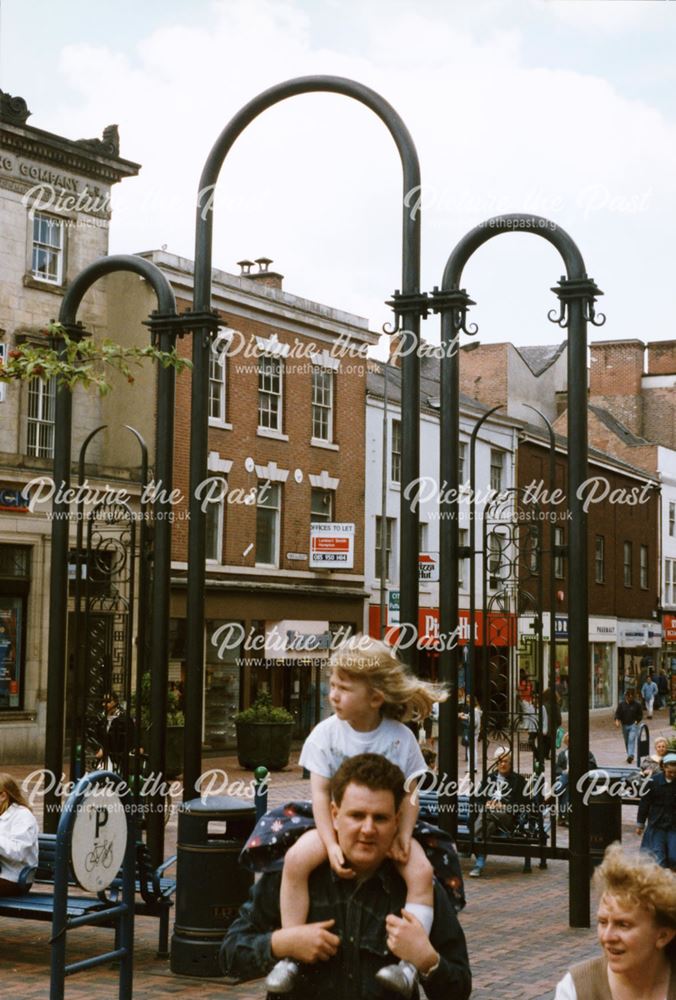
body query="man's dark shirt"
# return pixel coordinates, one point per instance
(359, 911)
(629, 712)
(658, 805)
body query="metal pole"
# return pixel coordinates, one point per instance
(383, 507)
(409, 312)
(58, 604)
(159, 623)
(578, 622)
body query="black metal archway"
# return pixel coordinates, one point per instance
(577, 294)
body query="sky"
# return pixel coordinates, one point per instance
(562, 108)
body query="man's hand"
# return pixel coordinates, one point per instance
(406, 938)
(337, 861)
(308, 943)
(617, 723)
(639, 831)
(401, 848)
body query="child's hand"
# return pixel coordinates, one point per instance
(401, 848)
(337, 862)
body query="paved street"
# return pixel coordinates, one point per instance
(516, 925)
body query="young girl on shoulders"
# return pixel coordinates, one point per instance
(372, 694)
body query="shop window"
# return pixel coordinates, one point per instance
(600, 681)
(395, 452)
(222, 681)
(14, 588)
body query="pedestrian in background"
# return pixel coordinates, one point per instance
(628, 714)
(658, 808)
(649, 693)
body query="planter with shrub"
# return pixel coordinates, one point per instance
(264, 735)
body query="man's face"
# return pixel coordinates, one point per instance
(365, 824)
(504, 765)
(628, 935)
(670, 771)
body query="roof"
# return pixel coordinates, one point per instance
(539, 359)
(619, 429)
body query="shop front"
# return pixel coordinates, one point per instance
(639, 643)
(271, 642)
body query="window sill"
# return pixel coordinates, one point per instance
(327, 445)
(45, 286)
(266, 565)
(222, 425)
(266, 432)
(395, 485)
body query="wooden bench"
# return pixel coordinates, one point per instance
(152, 886)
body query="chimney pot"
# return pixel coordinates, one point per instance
(245, 266)
(263, 264)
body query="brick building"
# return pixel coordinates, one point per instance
(54, 217)
(286, 450)
(623, 566)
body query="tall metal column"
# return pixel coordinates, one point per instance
(203, 323)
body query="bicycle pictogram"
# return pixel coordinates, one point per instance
(101, 854)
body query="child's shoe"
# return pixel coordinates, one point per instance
(399, 978)
(282, 977)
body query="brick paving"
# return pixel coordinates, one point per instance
(516, 925)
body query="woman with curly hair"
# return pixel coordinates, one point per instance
(636, 923)
(18, 835)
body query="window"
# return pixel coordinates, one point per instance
(47, 250)
(267, 524)
(217, 380)
(422, 537)
(322, 403)
(395, 456)
(463, 564)
(533, 549)
(672, 519)
(600, 559)
(389, 533)
(214, 527)
(3, 358)
(670, 581)
(558, 556)
(321, 506)
(643, 567)
(462, 456)
(627, 564)
(497, 467)
(270, 393)
(40, 436)
(496, 546)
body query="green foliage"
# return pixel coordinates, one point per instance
(84, 362)
(263, 710)
(175, 716)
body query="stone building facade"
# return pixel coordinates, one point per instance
(54, 217)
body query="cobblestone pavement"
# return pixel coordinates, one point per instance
(516, 925)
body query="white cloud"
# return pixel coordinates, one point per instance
(315, 183)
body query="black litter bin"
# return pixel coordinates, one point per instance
(210, 884)
(605, 820)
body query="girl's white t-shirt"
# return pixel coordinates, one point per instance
(334, 739)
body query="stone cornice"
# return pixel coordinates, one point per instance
(79, 157)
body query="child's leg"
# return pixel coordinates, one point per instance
(299, 862)
(418, 875)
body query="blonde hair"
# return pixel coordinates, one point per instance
(638, 881)
(14, 793)
(370, 660)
